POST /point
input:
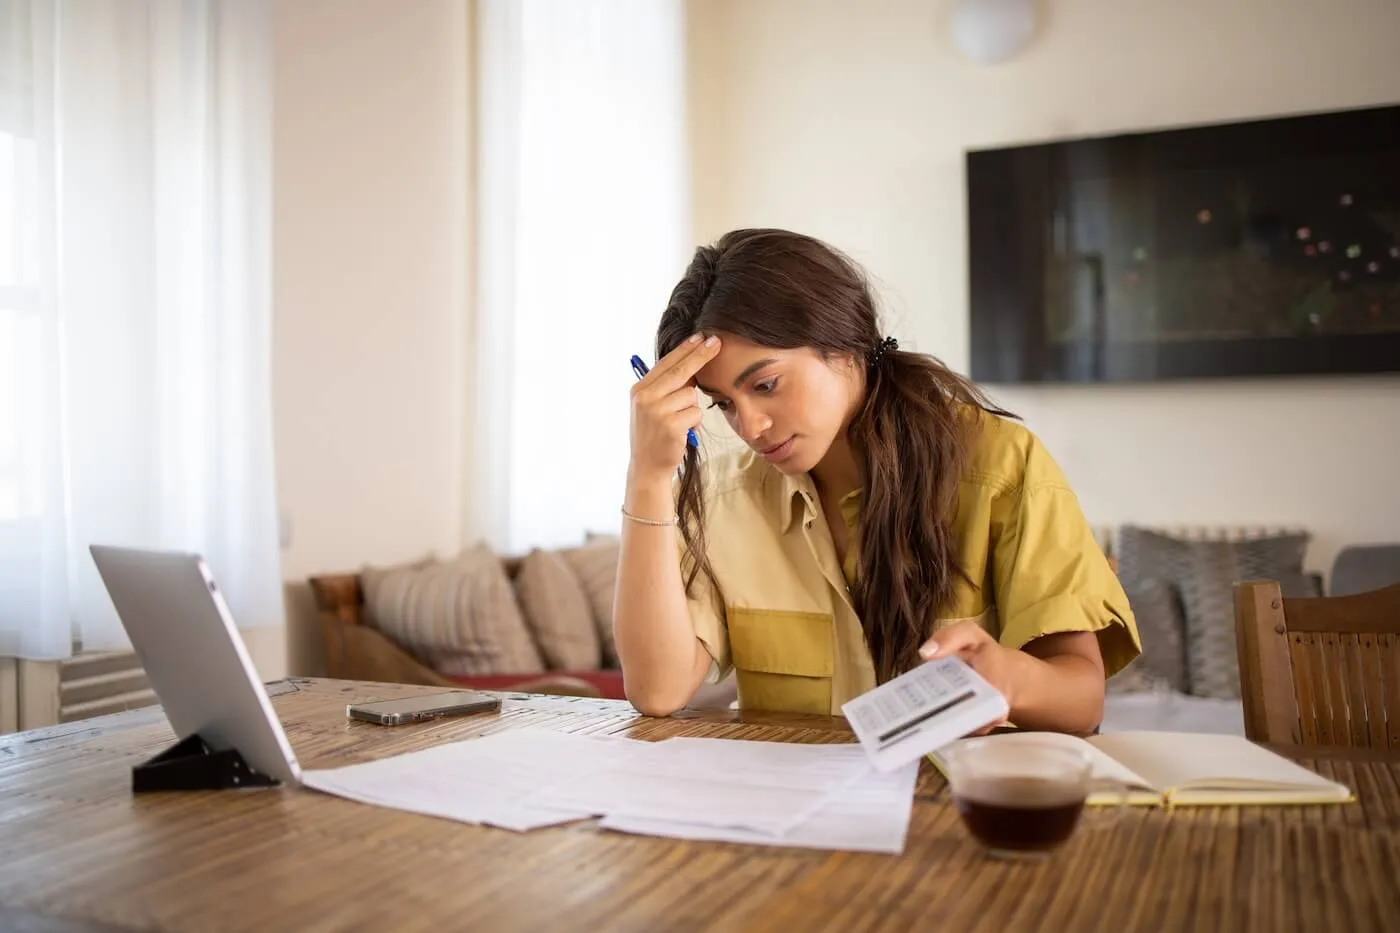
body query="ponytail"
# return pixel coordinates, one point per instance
(912, 436)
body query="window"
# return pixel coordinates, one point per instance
(19, 322)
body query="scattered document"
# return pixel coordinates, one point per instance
(763, 786)
(483, 780)
(769, 793)
(872, 815)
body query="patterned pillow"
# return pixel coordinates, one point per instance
(595, 564)
(1149, 555)
(1161, 623)
(457, 616)
(558, 612)
(1204, 573)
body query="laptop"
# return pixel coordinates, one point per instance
(182, 630)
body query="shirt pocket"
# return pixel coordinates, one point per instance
(782, 660)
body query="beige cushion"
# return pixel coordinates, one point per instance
(558, 612)
(457, 616)
(595, 564)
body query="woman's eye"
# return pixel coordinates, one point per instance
(767, 386)
(721, 404)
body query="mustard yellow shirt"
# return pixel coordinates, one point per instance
(787, 627)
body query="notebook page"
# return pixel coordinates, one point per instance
(1189, 760)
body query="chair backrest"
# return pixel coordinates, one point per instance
(1361, 568)
(1319, 671)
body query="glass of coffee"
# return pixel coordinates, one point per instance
(1021, 798)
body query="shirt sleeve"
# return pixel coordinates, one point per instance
(707, 618)
(1052, 576)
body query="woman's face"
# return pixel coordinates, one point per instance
(788, 405)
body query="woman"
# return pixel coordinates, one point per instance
(884, 512)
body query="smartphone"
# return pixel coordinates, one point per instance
(415, 709)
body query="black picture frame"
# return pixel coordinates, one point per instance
(1045, 310)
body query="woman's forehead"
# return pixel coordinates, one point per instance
(733, 348)
(737, 359)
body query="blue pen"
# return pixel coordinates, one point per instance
(641, 370)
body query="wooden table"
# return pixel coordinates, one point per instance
(80, 853)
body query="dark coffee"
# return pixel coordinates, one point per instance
(1020, 814)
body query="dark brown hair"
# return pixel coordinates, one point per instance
(911, 435)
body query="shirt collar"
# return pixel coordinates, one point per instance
(794, 500)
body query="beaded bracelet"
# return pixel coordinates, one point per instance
(645, 521)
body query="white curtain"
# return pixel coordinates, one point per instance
(134, 306)
(583, 229)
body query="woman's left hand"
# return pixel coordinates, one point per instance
(982, 652)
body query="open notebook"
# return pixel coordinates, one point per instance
(1192, 769)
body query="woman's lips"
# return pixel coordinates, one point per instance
(779, 453)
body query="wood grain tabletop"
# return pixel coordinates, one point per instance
(82, 853)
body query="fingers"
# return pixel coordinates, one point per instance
(683, 398)
(679, 372)
(955, 639)
(686, 347)
(932, 650)
(684, 406)
(683, 421)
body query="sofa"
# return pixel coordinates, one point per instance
(538, 623)
(355, 649)
(542, 622)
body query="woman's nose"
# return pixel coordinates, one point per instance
(752, 424)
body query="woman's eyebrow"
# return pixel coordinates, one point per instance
(740, 379)
(750, 370)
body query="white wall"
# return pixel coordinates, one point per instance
(371, 165)
(849, 121)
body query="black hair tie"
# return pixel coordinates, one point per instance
(881, 348)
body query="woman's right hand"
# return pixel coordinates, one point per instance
(665, 405)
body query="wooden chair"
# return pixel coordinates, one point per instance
(1319, 671)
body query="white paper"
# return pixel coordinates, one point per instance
(768, 787)
(818, 796)
(921, 710)
(484, 780)
(871, 815)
